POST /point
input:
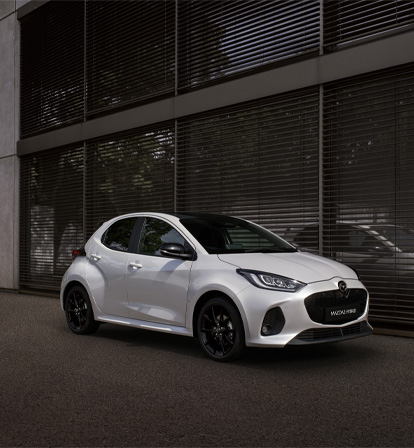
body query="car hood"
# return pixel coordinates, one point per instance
(301, 266)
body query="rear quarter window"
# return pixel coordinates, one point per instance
(118, 235)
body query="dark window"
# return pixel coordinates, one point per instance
(401, 237)
(52, 67)
(51, 215)
(307, 238)
(351, 20)
(357, 241)
(225, 38)
(156, 232)
(258, 161)
(128, 173)
(368, 183)
(117, 237)
(130, 52)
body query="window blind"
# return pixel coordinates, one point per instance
(368, 185)
(130, 52)
(51, 215)
(350, 20)
(128, 173)
(218, 39)
(52, 69)
(257, 161)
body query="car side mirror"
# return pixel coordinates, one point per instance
(175, 250)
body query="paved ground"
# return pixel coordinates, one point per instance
(125, 387)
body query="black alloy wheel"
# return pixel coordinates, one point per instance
(220, 330)
(79, 313)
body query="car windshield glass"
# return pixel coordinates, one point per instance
(222, 235)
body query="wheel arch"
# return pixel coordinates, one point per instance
(204, 299)
(68, 287)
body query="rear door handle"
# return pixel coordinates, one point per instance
(135, 265)
(96, 257)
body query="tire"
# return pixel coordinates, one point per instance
(79, 312)
(220, 330)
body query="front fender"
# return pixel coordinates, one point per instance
(206, 278)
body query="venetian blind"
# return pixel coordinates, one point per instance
(218, 39)
(257, 161)
(369, 188)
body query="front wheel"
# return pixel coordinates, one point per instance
(220, 330)
(79, 312)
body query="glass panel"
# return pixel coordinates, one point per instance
(220, 235)
(118, 235)
(368, 187)
(219, 39)
(130, 52)
(128, 173)
(155, 233)
(51, 215)
(258, 161)
(52, 67)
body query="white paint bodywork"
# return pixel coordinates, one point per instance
(161, 294)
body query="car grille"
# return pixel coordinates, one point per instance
(319, 334)
(317, 304)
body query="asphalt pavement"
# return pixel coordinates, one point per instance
(123, 387)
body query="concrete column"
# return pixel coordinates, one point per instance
(9, 163)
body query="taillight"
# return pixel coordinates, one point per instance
(78, 253)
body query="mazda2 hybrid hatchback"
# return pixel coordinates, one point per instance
(224, 280)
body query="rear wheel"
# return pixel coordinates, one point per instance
(220, 330)
(79, 312)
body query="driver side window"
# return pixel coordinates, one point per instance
(155, 233)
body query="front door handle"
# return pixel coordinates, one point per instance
(135, 265)
(96, 257)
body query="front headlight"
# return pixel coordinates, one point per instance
(274, 282)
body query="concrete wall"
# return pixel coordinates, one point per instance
(9, 163)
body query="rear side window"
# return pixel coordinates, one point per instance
(117, 237)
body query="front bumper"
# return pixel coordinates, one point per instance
(324, 335)
(299, 328)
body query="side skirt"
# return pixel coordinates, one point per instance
(144, 325)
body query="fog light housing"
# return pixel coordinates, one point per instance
(267, 330)
(273, 322)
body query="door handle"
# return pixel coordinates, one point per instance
(135, 265)
(96, 257)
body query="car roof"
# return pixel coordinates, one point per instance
(189, 215)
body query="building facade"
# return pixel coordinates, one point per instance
(298, 115)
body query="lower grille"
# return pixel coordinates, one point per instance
(320, 334)
(320, 304)
(273, 322)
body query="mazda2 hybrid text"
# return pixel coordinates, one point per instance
(224, 280)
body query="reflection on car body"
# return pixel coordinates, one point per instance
(224, 280)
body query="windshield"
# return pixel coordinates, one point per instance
(225, 235)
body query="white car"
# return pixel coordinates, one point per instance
(224, 280)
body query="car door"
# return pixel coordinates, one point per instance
(157, 285)
(108, 261)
